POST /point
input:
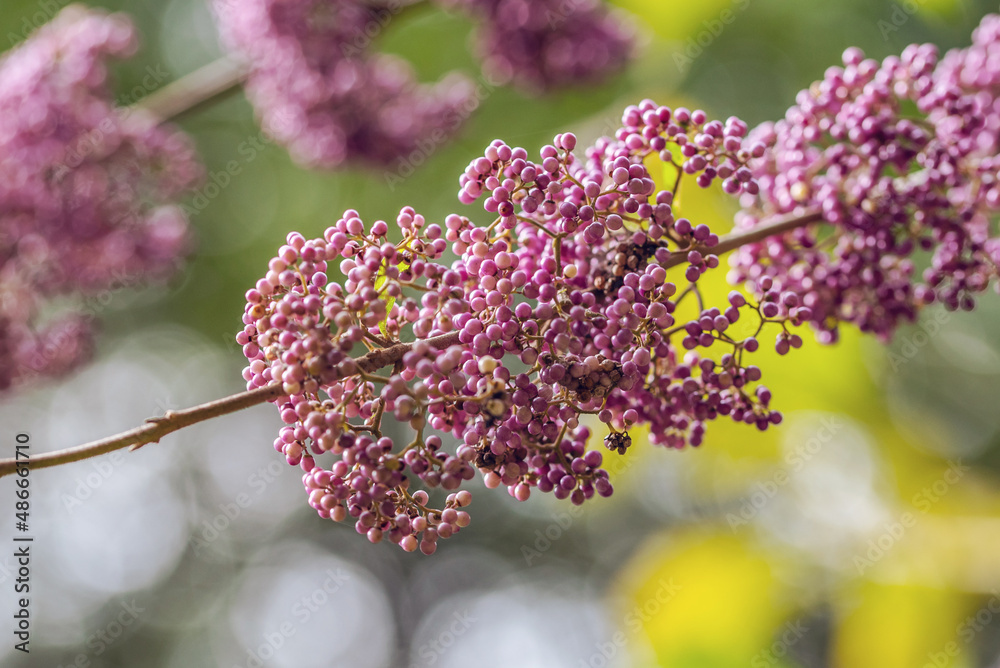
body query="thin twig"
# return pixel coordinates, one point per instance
(171, 421)
(204, 85)
(215, 80)
(734, 240)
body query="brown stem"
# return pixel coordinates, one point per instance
(195, 90)
(157, 428)
(734, 240)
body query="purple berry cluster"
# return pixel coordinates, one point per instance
(557, 312)
(901, 159)
(543, 44)
(326, 98)
(85, 190)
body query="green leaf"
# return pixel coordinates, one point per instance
(380, 281)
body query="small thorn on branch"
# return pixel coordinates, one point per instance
(166, 417)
